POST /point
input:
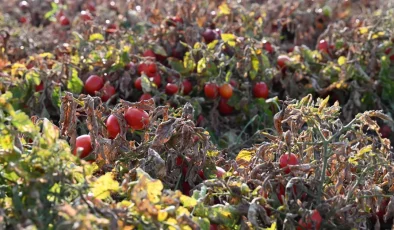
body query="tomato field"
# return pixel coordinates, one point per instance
(204, 114)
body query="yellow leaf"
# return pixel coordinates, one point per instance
(273, 226)
(17, 69)
(162, 215)
(154, 189)
(170, 222)
(342, 60)
(212, 153)
(363, 30)
(187, 201)
(323, 104)
(244, 156)
(102, 187)
(224, 9)
(182, 211)
(228, 37)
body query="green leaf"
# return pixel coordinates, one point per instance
(75, 84)
(6, 141)
(158, 49)
(56, 95)
(22, 122)
(177, 65)
(50, 133)
(33, 77)
(96, 36)
(146, 84)
(203, 223)
(53, 11)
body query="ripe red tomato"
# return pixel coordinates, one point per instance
(385, 131)
(85, 15)
(382, 208)
(111, 28)
(64, 21)
(213, 227)
(179, 161)
(84, 142)
(387, 52)
(137, 118)
(149, 53)
(268, 47)
(23, 20)
(286, 160)
(138, 83)
(201, 174)
(323, 46)
(113, 126)
(90, 6)
(40, 87)
(234, 83)
(282, 61)
(186, 188)
(224, 108)
(108, 92)
(149, 68)
(93, 83)
(281, 193)
(211, 90)
(187, 87)
(310, 222)
(156, 78)
(226, 91)
(209, 36)
(220, 172)
(260, 90)
(145, 96)
(171, 89)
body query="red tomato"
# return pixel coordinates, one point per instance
(40, 87)
(179, 161)
(282, 61)
(385, 131)
(268, 47)
(64, 21)
(145, 96)
(186, 188)
(93, 83)
(260, 90)
(323, 46)
(201, 174)
(84, 142)
(113, 126)
(224, 108)
(310, 222)
(286, 160)
(187, 87)
(90, 6)
(171, 89)
(382, 208)
(387, 52)
(22, 19)
(149, 53)
(211, 90)
(226, 91)
(281, 193)
(138, 83)
(108, 92)
(213, 227)
(137, 118)
(209, 36)
(149, 68)
(111, 28)
(234, 83)
(156, 78)
(85, 15)
(220, 172)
